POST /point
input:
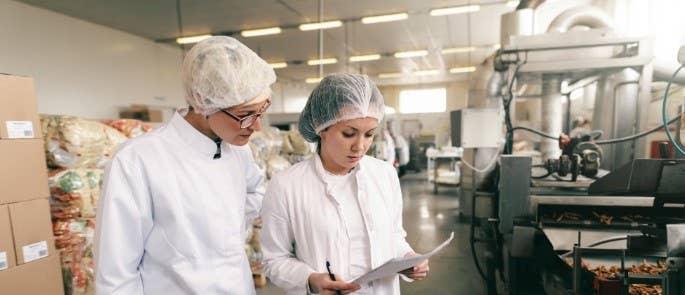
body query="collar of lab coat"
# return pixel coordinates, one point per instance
(192, 136)
(321, 173)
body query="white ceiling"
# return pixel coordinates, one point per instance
(157, 20)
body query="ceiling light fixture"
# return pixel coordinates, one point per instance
(462, 70)
(513, 3)
(192, 39)
(414, 53)
(320, 26)
(278, 65)
(324, 61)
(367, 57)
(385, 18)
(389, 75)
(458, 50)
(454, 10)
(261, 32)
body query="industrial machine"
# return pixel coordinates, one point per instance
(590, 215)
(595, 237)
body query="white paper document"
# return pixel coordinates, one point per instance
(395, 265)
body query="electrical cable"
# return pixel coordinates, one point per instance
(482, 170)
(635, 136)
(597, 243)
(538, 132)
(472, 235)
(675, 144)
(541, 176)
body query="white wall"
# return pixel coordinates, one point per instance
(84, 69)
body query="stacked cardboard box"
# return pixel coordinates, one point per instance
(29, 263)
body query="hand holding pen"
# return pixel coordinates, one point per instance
(327, 284)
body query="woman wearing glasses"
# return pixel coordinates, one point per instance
(176, 202)
(339, 208)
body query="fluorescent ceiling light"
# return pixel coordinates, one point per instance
(324, 61)
(462, 70)
(385, 18)
(192, 39)
(320, 26)
(261, 32)
(458, 50)
(513, 3)
(426, 72)
(389, 75)
(278, 65)
(455, 10)
(415, 53)
(368, 57)
(313, 80)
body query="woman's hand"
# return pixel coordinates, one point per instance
(321, 283)
(418, 272)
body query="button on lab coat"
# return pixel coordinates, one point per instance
(303, 224)
(172, 220)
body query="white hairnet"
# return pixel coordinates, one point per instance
(340, 97)
(220, 72)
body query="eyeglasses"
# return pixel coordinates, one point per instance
(247, 121)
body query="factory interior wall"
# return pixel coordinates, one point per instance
(84, 69)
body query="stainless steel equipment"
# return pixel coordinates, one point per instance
(618, 220)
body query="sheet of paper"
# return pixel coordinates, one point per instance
(396, 265)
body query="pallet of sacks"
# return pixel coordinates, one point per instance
(77, 151)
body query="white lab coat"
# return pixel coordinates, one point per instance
(172, 220)
(303, 224)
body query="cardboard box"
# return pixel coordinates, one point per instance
(7, 258)
(18, 108)
(23, 173)
(42, 277)
(32, 230)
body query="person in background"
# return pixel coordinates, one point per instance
(176, 202)
(339, 206)
(401, 149)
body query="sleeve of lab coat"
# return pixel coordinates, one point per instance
(255, 189)
(124, 220)
(399, 233)
(277, 239)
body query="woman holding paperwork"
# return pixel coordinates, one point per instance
(340, 206)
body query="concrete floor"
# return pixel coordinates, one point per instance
(428, 220)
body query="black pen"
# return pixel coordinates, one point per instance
(330, 275)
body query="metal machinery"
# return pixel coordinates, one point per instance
(559, 226)
(560, 233)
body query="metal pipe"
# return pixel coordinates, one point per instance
(577, 270)
(588, 16)
(532, 4)
(552, 114)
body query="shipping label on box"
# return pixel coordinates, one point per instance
(19, 106)
(4, 263)
(7, 258)
(19, 129)
(32, 230)
(42, 277)
(35, 251)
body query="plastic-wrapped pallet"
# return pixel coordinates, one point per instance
(74, 192)
(74, 241)
(77, 143)
(295, 148)
(129, 127)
